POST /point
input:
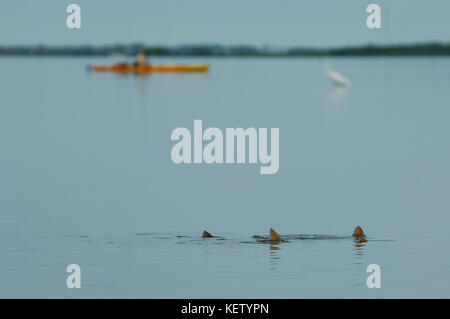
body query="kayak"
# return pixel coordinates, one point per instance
(125, 68)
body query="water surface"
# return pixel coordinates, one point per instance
(86, 178)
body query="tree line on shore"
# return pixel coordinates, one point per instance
(424, 49)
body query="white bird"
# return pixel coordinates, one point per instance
(336, 78)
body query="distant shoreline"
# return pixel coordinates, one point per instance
(205, 50)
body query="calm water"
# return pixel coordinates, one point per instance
(86, 178)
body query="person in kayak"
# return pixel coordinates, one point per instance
(141, 59)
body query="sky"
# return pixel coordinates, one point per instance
(259, 22)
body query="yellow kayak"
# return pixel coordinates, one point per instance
(125, 68)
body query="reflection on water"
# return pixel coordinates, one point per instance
(359, 251)
(336, 95)
(274, 255)
(142, 88)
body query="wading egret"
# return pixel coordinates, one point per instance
(336, 78)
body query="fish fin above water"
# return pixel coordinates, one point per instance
(274, 235)
(207, 235)
(358, 233)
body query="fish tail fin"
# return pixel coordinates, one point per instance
(274, 235)
(358, 233)
(206, 234)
